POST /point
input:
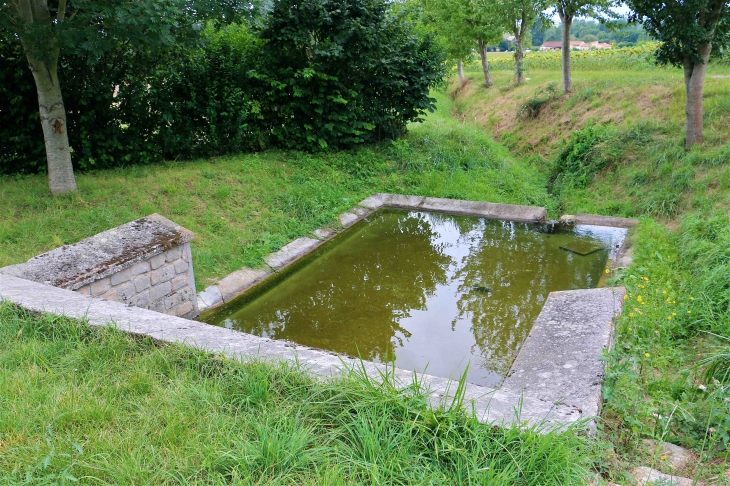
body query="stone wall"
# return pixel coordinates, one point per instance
(146, 263)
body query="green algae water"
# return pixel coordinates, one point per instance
(434, 292)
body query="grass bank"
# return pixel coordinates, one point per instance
(242, 208)
(615, 146)
(101, 406)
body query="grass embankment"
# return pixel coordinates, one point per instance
(242, 208)
(104, 407)
(616, 146)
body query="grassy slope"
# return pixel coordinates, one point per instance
(241, 208)
(679, 286)
(105, 407)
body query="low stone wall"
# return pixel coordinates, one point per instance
(146, 263)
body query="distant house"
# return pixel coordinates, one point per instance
(558, 45)
(599, 45)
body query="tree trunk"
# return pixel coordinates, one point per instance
(53, 120)
(43, 61)
(519, 57)
(567, 21)
(460, 71)
(485, 63)
(694, 83)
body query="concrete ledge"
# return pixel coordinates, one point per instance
(559, 361)
(348, 219)
(493, 406)
(598, 220)
(102, 255)
(239, 281)
(375, 201)
(291, 252)
(210, 297)
(508, 212)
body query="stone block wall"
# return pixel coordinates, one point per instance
(146, 263)
(164, 283)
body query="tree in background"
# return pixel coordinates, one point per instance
(518, 17)
(89, 28)
(462, 23)
(690, 33)
(567, 10)
(451, 30)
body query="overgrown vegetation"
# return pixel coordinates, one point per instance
(615, 147)
(99, 405)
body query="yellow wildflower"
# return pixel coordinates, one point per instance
(647, 354)
(631, 314)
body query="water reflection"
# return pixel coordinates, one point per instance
(431, 290)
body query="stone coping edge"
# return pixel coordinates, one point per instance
(559, 359)
(104, 254)
(490, 405)
(243, 279)
(599, 220)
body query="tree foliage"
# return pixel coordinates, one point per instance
(683, 28)
(340, 72)
(322, 76)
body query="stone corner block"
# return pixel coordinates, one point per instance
(291, 252)
(238, 281)
(324, 233)
(210, 297)
(348, 219)
(376, 201)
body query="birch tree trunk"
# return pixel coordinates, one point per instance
(694, 84)
(567, 21)
(44, 66)
(460, 71)
(485, 63)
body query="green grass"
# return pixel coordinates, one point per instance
(105, 407)
(667, 372)
(242, 208)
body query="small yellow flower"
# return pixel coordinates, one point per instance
(631, 328)
(691, 298)
(626, 296)
(647, 354)
(631, 314)
(664, 292)
(669, 318)
(664, 457)
(608, 271)
(674, 313)
(689, 312)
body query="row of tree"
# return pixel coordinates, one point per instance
(123, 82)
(619, 33)
(689, 32)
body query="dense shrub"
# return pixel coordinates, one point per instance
(318, 74)
(338, 73)
(583, 157)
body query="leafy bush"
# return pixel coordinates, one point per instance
(531, 108)
(338, 73)
(583, 157)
